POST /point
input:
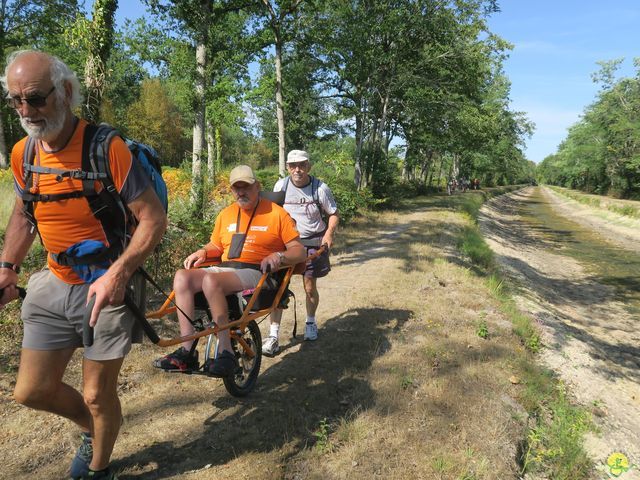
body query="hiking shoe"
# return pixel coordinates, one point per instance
(270, 346)
(105, 474)
(178, 360)
(311, 331)
(84, 454)
(223, 366)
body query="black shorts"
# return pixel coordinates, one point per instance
(319, 266)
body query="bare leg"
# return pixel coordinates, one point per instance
(216, 286)
(101, 398)
(39, 386)
(276, 317)
(313, 297)
(186, 284)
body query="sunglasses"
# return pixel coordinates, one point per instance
(35, 101)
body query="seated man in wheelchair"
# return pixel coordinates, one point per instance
(251, 235)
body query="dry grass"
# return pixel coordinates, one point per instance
(399, 384)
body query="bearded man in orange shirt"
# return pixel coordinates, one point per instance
(44, 91)
(250, 235)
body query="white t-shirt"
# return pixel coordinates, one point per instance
(302, 207)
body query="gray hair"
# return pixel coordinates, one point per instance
(60, 73)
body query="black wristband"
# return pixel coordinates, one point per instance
(15, 268)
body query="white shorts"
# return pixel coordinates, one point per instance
(248, 276)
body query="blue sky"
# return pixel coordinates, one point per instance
(556, 46)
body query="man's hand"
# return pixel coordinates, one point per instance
(8, 282)
(272, 261)
(109, 290)
(195, 259)
(327, 240)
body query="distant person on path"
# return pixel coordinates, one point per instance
(309, 201)
(250, 235)
(44, 91)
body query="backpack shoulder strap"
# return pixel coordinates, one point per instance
(315, 186)
(28, 158)
(286, 185)
(106, 205)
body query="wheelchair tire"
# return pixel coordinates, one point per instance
(246, 375)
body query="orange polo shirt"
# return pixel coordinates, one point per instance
(271, 228)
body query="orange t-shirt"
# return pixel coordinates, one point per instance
(271, 228)
(66, 222)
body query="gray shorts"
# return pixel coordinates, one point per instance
(318, 267)
(248, 276)
(52, 313)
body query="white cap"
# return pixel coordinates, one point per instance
(297, 156)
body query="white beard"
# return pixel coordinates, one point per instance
(51, 128)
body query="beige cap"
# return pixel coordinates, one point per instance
(297, 156)
(242, 173)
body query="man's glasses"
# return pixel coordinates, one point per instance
(294, 165)
(35, 101)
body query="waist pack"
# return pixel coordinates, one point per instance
(107, 205)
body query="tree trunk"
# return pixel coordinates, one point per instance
(406, 161)
(426, 167)
(439, 176)
(100, 43)
(198, 126)
(218, 149)
(280, 108)
(4, 161)
(357, 175)
(211, 154)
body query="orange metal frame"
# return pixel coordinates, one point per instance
(247, 314)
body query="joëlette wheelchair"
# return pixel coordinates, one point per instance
(245, 310)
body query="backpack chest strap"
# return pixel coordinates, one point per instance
(53, 197)
(61, 174)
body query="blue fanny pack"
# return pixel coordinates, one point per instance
(89, 273)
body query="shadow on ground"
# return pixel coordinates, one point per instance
(326, 379)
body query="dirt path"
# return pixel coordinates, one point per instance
(398, 385)
(591, 341)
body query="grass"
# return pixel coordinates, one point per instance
(554, 440)
(619, 207)
(408, 380)
(473, 245)
(554, 445)
(7, 198)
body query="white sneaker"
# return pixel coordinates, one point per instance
(311, 331)
(270, 346)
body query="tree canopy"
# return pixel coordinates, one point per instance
(392, 91)
(601, 153)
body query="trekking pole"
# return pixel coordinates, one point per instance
(21, 292)
(87, 330)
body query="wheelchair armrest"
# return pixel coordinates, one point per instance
(210, 261)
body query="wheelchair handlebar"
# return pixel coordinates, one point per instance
(21, 292)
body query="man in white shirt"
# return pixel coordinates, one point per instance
(311, 204)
